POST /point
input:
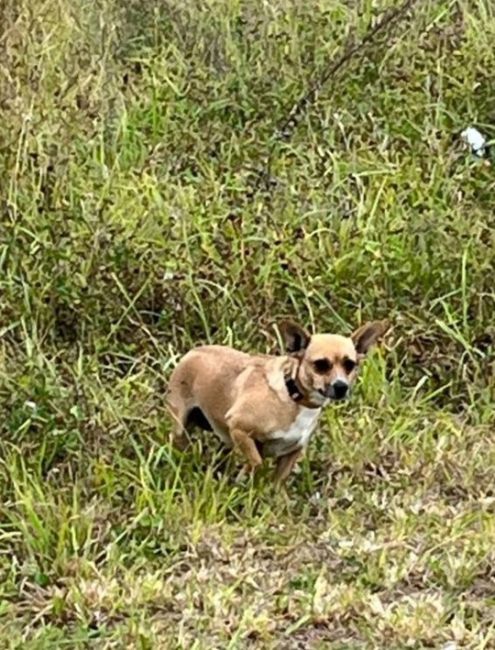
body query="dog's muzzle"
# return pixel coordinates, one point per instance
(338, 390)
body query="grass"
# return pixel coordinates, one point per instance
(134, 225)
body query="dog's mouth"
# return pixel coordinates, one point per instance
(319, 397)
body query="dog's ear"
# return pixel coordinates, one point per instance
(295, 337)
(368, 334)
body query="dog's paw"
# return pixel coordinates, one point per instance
(246, 473)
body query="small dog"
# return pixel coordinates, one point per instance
(267, 405)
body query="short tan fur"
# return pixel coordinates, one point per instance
(267, 406)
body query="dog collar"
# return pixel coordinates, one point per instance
(293, 390)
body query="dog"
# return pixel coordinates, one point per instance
(264, 405)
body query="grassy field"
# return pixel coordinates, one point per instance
(138, 218)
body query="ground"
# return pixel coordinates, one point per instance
(155, 196)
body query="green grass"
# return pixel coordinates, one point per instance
(134, 225)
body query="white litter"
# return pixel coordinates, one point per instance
(451, 645)
(475, 140)
(315, 498)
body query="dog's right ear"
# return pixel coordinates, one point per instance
(295, 337)
(368, 334)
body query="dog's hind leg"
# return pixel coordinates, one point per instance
(179, 413)
(179, 404)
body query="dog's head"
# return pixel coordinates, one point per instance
(328, 362)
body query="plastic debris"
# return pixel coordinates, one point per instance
(476, 141)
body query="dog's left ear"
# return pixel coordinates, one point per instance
(368, 334)
(295, 337)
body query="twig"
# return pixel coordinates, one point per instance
(283, 132)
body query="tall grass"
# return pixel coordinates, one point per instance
(134, 225)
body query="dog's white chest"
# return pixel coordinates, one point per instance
(295, 437)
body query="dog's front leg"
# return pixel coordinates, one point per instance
(285, 464)
(247, 446)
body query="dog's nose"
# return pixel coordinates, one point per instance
(340, 389)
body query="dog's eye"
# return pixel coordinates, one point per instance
(322, 365)
(349, 365)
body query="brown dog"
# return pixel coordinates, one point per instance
(267, 405)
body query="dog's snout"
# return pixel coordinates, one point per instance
(340, 389)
